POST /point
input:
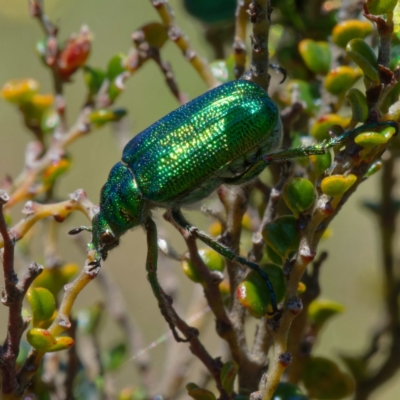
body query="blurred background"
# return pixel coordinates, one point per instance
(350, 275)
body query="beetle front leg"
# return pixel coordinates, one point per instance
(164, 301)
(180, 220)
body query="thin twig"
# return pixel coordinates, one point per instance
(275, 195)
(59, 211)
(175, 34)
(260, 17)
(23, 187)
(301, 336)
(12, 297)
(50, 30)
(239, 46)
(59, 325)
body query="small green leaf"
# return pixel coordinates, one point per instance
(50, 120)
(358, 366)
(41, 49)
(24, 348)
(61, 343)
(363, 55)
(94, 78)
(321, 162)
(298, 194)
(379, 7)
(42, 303)
(197, 393)
(288, 391)
(337, 185)
(323, 380)
(55, 170)
(116, 66)
(320, 311)
(155, 34)
(253, 292)
(228, 376)
(358, 104)
(103, 116)
(320, 128)
(211, 258)
(274, 257)
(230, 65)
(114, 357)
(282, 235)
(351, 29)
(368, 140)
(316, 55)
(388, 132)
(40, 339)
(374, 168)
(341, 79)
(20, 91)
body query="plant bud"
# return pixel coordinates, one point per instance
(337, 185)
(341, 79)
(320, 128)
(363, 55)
(282, 235)
(75, 53)
(316, 55)
(20, 91)
(253, 292)
(351, 29)
(298, 194)
(42, 303)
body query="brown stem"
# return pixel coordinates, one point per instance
(175, 34)
(300, 342)
(12, 297)
(270, 212)
(170, 80)
(239, 46)
(50, 30)
(72, 364)
(260, 13)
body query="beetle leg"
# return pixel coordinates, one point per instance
(164, 301)
(180, 220)
(248, 175)
(322, 148)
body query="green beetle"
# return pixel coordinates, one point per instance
(221, 137)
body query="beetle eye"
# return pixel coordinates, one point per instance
(107, 237)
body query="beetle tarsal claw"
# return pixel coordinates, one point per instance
(94, 264)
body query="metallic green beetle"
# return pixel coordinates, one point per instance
(221, 137)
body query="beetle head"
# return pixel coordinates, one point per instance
(104, 237)
(122, 207)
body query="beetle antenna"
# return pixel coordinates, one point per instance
(75, 231)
